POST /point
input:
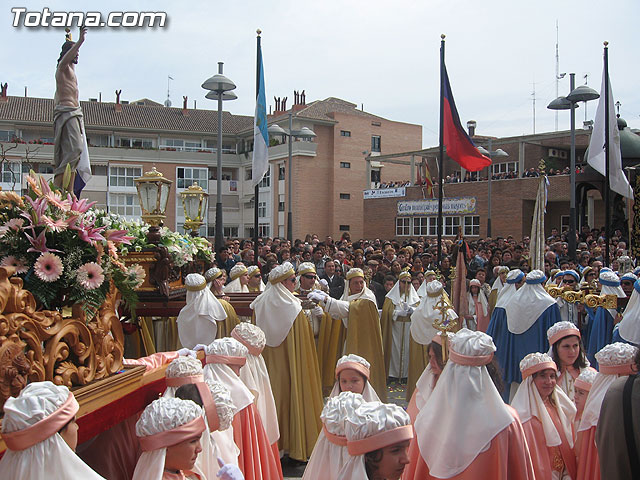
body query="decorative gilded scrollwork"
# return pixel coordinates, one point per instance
(44, 345)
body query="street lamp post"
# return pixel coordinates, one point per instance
(220, 89)
(491, 154)
(581, 94)
(304, 132)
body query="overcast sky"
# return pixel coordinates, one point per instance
(383, 54)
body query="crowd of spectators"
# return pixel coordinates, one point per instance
(531, 172)
(383, 260)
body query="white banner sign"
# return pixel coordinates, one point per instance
(450, 206)
(385, 193)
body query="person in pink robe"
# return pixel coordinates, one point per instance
(478, 306)
(614, 360)
(257, 459)
(568, 353)
(547, 415)
(465, 400)
(427, 381)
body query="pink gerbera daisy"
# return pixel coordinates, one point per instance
(48, 267)
(17, 263)
(90, 275)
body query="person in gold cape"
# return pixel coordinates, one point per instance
(395, 323)
(329, 334)
(292, 362)
(227, 324)
(359, 313)
(255, 279)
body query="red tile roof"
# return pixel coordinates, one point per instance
(103, 114)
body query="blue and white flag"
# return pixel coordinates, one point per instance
(260, 164)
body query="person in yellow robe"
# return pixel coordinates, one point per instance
(292, 362)
(329, 334)
(255, 279)
(359, 313)
(395, 323)
(226, 325)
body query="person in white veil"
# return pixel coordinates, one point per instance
(215, 399)
(169, 431)
(423, 331)
(429, 378)
(478, 306)
(498, 284)
(41, 435)
(628, 330)
(547, 416)
(465, 431)
(330, 453)
(257, 460)
(601, 333)
(615, 360)
(378, 436)
(255, 279)
(197, 319)
(429, 276)
(239, 276)
(255, 376)
(398, 306)
(352, 375)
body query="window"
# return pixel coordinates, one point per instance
(564, 223)
(345, 133)
(125, 204)
(471, 225)
(344, 228)
(131, 142)
(248, 174)
(281, 206)
(345, 165)
(100, 170)
(187, 176)
(451, 226)
(504, 167)
(345, 196)
(264, 229)
(11, 174)
(45, 168)
(266, 180)
(403, 226)
(420, 226)
(98, 140)
(123, 176)
(375, 143)
(6, 135)
(262, 209)
(230, 231)
(281, 171)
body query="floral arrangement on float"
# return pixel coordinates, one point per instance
(65, 251)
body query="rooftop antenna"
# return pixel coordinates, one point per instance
(533, 98)
(167, 102)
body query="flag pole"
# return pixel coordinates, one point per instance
(607, 214)
(441, 152)
(257, 187)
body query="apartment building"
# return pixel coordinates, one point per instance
(126, 139)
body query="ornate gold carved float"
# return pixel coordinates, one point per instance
(44, 345)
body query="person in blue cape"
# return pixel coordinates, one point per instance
(530, 313)
(498, 324)
(605, 318)
(628, 330)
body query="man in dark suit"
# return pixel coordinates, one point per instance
(335, 281)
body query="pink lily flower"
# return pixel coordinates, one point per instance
(118, 236)
(39, 244)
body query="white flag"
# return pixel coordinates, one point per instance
(617, 179)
